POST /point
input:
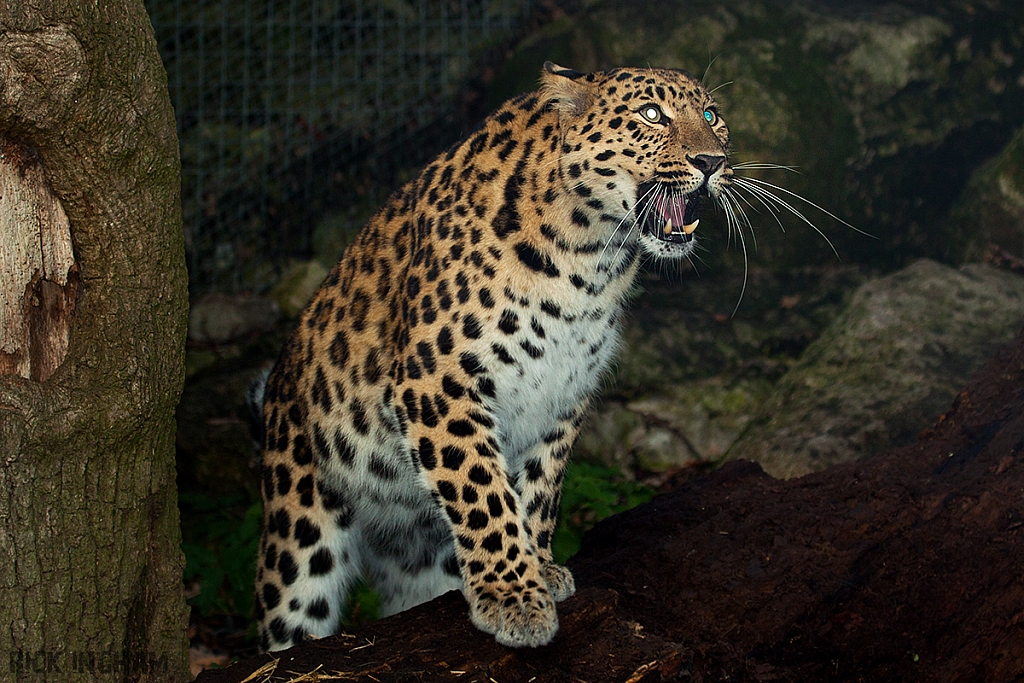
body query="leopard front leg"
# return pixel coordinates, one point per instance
(540, 487)
(503, 579)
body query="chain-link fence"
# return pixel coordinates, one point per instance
(290, 109)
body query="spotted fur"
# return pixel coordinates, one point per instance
(419, 419)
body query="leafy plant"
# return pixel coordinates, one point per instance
(591, 493)
(220, 537)
(363, 605)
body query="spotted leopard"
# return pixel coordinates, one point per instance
(418, 421)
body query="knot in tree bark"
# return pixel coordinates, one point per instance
(40, 74)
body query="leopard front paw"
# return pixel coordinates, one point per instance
(561, 585)
(516, 616)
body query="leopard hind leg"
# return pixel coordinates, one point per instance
(309, 561)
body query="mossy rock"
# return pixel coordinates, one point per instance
(296, 286)
(991, 209)
(695, 369)
(885, 368)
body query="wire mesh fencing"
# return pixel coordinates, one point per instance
(289, 109)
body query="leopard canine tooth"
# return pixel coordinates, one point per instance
(688, 229)
(668, 227)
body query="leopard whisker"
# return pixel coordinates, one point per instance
(732, 214)
(697, 248)
(769, 207)
(611, 237)
(711, 61)
(579, 184)
(636, 221)
(721, 85)
(648, 201)
(761, 165)
(765, 184)
(549, 164)
(730, 219)
(732, 208)
(774, 199)
(738, 197)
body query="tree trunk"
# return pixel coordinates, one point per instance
(93, 302)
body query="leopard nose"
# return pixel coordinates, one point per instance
(706, 163)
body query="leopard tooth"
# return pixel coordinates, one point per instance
(688, 229)
(668, 226)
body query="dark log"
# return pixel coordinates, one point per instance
(905, 567)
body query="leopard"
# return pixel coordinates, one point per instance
(418, 422)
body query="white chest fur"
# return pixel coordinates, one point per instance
(557, 362)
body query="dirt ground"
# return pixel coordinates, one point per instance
(905, 567)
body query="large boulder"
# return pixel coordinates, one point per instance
(881, 371)
(222, 318)
(990, 210)
(698, 360)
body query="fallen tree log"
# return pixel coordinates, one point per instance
(905, 567)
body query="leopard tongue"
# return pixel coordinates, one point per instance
(673, 210)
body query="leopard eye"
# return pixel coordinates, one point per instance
(651, 112)
(711, 116)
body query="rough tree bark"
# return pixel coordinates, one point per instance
(93, 301)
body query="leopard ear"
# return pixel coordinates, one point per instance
(566, 90)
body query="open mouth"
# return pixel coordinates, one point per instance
(667, 215)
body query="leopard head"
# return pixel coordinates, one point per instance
(648, 143)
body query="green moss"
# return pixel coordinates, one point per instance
(591, 493)
(335, 231)
(297, 285)
(362, 605)
(735, 402)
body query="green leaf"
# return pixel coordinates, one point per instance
(591, 493)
